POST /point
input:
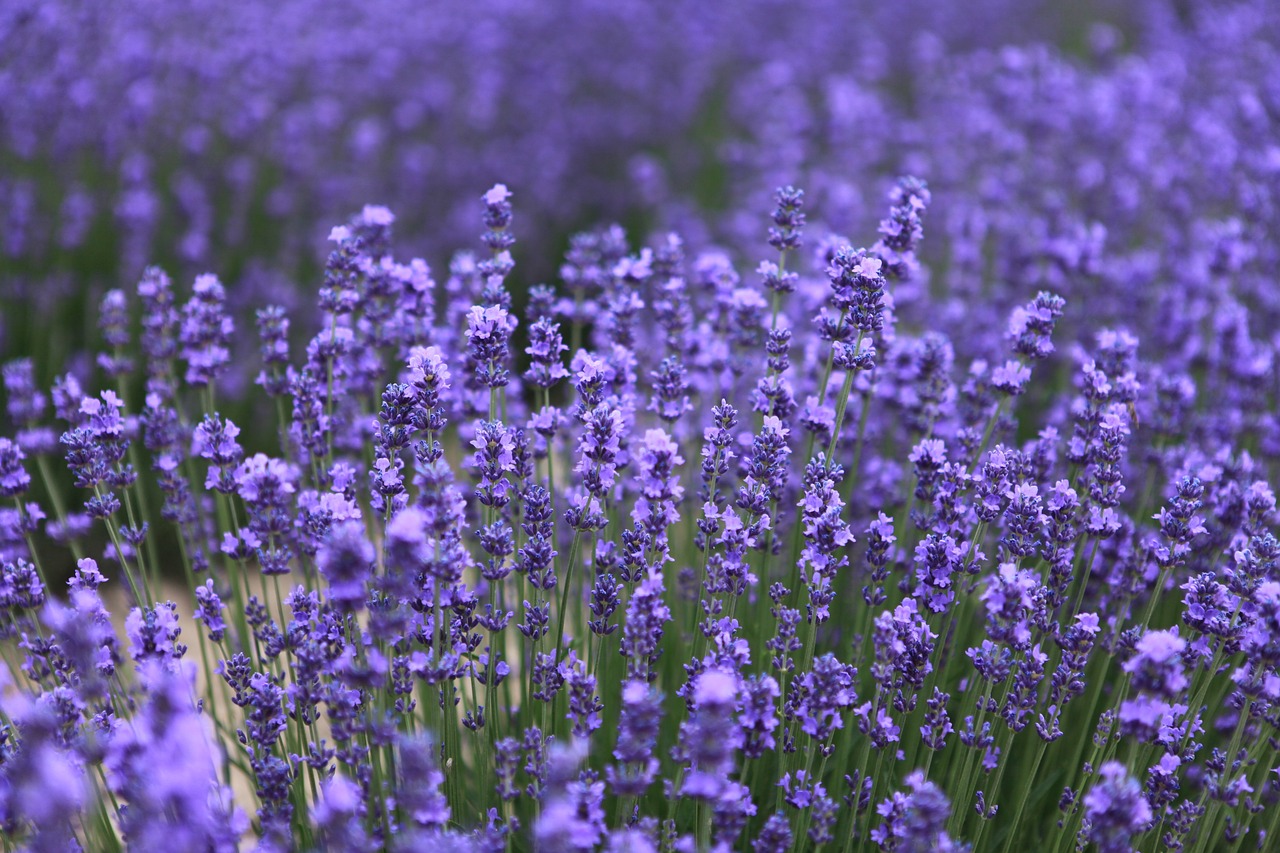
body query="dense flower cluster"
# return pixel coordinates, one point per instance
(932, 515)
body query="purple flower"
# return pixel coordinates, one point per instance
(573, 808)
(25, 404)
(153, 635)
(775, 836)
(904, 228)
(44, 783)
(647, 615)
(914, 821)
(584, 705)
(937, 560)
(209, 611)
(788, 219)
(14, 478)
(1011, 378)
(1031, 326)
(638, 729)
(420, 780)
(164, 766)
(659, 479)
(1115, 810)
(670, 398)
(338, 815)
(215, 440)
(497, 218)
(1009, 599)
(205, 332)
(824, 695)
(346, 560)
(273, 332)
(857, 285)
(1156, 665)
(708, 738)
(488, 330)
(113, 320)
(599, 448)
(545, 348)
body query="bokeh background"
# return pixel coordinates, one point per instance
(1115, 150)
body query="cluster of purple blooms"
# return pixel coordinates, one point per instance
(704, 656)
(951, 532)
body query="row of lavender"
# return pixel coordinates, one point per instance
(723, 561)
(191, 128)
(183, 131)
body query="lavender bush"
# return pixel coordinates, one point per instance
(908, 514)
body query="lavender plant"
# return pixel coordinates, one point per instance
(467, 602)
(924, 516)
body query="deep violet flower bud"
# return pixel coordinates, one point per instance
(494, 459)
(758, 717)
(20, 586)
(1067, 680)
(880, 539)
(153, 634)
(770, 452)
(825, 537)
(1009, 599)
(604, 602)
(599, 447)
(1179, 524)
(776, 279)
(857, 287)
(584, 705)
(590, 376)
(428, 373)
(1115, 810)
(903, 646)
(535, 556)
(159, 337)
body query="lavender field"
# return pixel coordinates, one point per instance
(605, 425)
